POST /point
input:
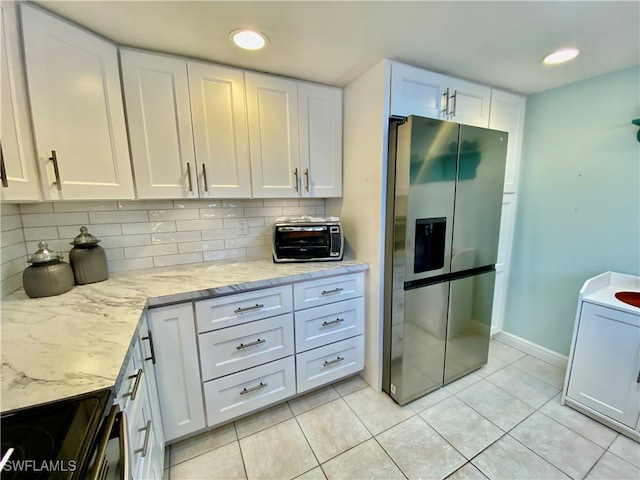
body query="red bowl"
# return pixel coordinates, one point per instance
(630, 298)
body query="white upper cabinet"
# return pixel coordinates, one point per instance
(320, 115)
(77, 110)
(507, 114)
(272, 105)
(415, 91)
(20, 179)
(219, 114)
(159, 117)
(295, 137)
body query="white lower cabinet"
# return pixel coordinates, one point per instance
(177, 370)
(243, 392)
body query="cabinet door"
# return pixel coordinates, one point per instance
(272, 105)
(605, 364)
(177, 370)
(320, 140)
(219, 115)
(507, 114)
(415, 91)
(469, 103)
(76, 106)
(20, 175)
(149, 359)
(507, 222)
(159, 119)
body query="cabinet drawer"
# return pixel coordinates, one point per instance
(243, 392)
(132, 380)
(331, 362)
(240, 308)
(328, 290)
(237, 348)
(320, 326)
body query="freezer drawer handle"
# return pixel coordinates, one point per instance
(331, 292)
(331, 362)
(146, 429)
(333, 322)
(257, 306)
(134, 391)
(253, 389)
(252, 344)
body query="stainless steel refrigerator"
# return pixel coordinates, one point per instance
(444, 203)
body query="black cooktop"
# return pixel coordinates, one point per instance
(53, 440)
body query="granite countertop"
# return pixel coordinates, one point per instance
(74, 343)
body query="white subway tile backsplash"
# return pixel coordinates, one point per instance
(126, 241)
(224, 254)
(114, 253)
(182, 214)
(201, 246)
(206, 213)
(175, 237)
(62, 207)
(242, 203)
(263, 212)
(260, 231)
(311, 201)
(13, 252)
(220, 234)
(244, 242)
(148, 227)
(255, 222)
(13, 267)
(9, 209)
(38, 233)
(49, 219)
(146, 205)
(180, 259)
(130, 264)
(150, 250)
(188, 204)
(10, 284)
(97, 230)
(45, 207)
(10, 222)
(281, 202)
(118, 216)
(211, 224)
(11, 237)
(295, 211)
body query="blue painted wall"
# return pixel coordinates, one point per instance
(578, 211)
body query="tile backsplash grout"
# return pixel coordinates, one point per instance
(146, 234)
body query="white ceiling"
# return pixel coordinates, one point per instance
(333, 42)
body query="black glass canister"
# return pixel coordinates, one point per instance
(88, 259)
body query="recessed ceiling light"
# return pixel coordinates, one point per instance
(560, 56)
(248, 39)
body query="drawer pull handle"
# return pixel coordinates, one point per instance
(253, 389)
(257, 306)
(331, 362)
(151, 349)
(252, 344)
(331, 292)
(146, 429)
(333, 322)
(136, 384)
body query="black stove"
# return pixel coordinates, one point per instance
(54, 440)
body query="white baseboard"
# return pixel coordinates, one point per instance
(533, 349)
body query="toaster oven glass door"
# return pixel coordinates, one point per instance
(303, 242)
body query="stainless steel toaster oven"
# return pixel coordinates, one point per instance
(307, 240)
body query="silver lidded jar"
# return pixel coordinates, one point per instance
(88, 259)
(47, 275)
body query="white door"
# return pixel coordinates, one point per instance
(415, 91)
(20, 179)
(177, 370)
(507, 114)
(507, 223)
(469, 103)
(77, 110)
(272, 105)
(606, 360)
(156, 92)
(219, 115)
(320, 140)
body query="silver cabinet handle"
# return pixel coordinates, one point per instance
(454, 97)
(445, 102)
(3, 171)
(189, 177)
(332, 362)
(306, 179)
(253, 389)
(147, 430)
(333, 322)
(151, 349)
(331, 292)
(295, 174)
(204, 177)
(136, 384)
(257, 306)
(56, 171)
(252, 344)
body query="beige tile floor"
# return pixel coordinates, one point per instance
(504, 421)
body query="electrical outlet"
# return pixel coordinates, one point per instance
(242, 224)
